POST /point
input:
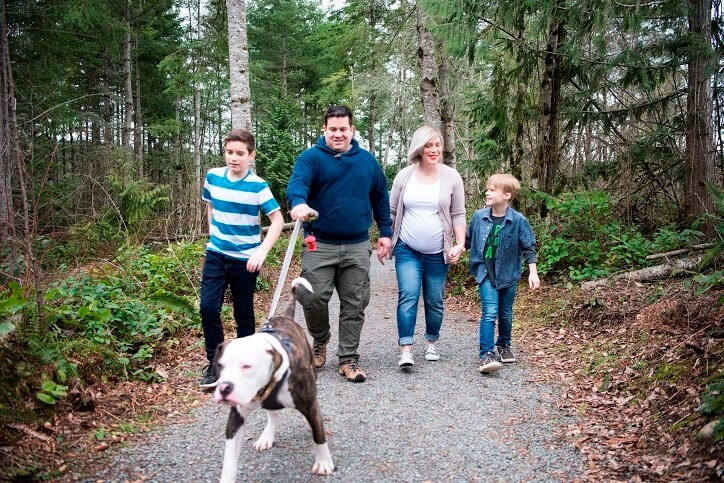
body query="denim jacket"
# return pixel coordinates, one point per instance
(516, 242)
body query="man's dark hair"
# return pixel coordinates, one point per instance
(338, 111)
(241, 135)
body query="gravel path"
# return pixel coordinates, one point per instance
(443, 421)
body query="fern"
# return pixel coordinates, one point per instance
(17, 415)
(175, 302)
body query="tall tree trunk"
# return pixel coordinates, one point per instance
(372, 23)
(138, 119)
(197, 128)
(7, 213)
(516, 159)
(219, 112)
(428, 70)
(107, 101)
(371, 125)
(15, 153)
(283, 68)
(548, 148)
(699, 153)
(128, 95)
(447, 122)
(239, 65)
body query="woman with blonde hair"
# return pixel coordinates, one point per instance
(428, 210)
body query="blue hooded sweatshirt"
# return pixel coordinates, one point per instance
(347, 189)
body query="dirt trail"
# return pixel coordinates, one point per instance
(443, 421)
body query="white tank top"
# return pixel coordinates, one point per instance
(421, 227)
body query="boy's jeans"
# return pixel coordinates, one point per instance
(218, 273)
(417, 271)
(496, 304)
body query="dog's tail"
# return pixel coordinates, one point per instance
(293, 297)
(303, 282)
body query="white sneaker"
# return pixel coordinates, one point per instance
(406, 360)
(431, 354)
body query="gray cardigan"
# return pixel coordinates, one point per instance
(451, 204)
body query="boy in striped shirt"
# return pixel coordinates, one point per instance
(235, 252)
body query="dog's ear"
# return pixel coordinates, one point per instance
(219, 352)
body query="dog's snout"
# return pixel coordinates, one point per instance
(225, 388)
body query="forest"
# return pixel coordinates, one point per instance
(610, 112)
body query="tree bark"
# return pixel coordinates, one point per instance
(699, 152)
(428, 71)
(15, 153)
(138, 120)
(649, 273)
(371, 125)
(239, 65)
(283, 69)
(107, 101)
(128, 94)
(447, 122)
(548, 148)
(196, 211)
(6, 146)
(516, 159)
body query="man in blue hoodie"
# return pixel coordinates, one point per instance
(346, 186)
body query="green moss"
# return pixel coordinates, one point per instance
(670, 372)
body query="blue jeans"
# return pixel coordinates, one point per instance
(220, 272)
(496, 304)
(417, 271)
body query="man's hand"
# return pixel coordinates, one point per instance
(301, 212)
(383, 248)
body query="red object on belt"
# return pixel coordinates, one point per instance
(311, 242)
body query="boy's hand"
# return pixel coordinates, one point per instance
(256, 261)
(533, 281)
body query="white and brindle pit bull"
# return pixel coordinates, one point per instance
(272, 369)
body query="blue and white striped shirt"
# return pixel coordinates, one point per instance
(235, 206)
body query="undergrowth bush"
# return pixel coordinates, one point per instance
(106, 322)
(583, 238)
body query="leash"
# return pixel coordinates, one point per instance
(313, 215)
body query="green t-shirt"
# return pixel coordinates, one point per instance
(491, 246)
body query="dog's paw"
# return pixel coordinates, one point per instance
(323, 467)
(264, 443)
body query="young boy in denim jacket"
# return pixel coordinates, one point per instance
(499, 238)
(235, 196)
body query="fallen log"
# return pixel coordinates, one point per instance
(701, 246)
(286, 227)
(647, 274)
(171, 238)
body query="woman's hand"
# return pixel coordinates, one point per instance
(456, 253)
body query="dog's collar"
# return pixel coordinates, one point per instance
(270, 389)
(280, 372)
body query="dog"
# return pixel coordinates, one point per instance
(272, 369)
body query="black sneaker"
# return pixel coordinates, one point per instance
(489, 363)
(208, 380)
(506, 353)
